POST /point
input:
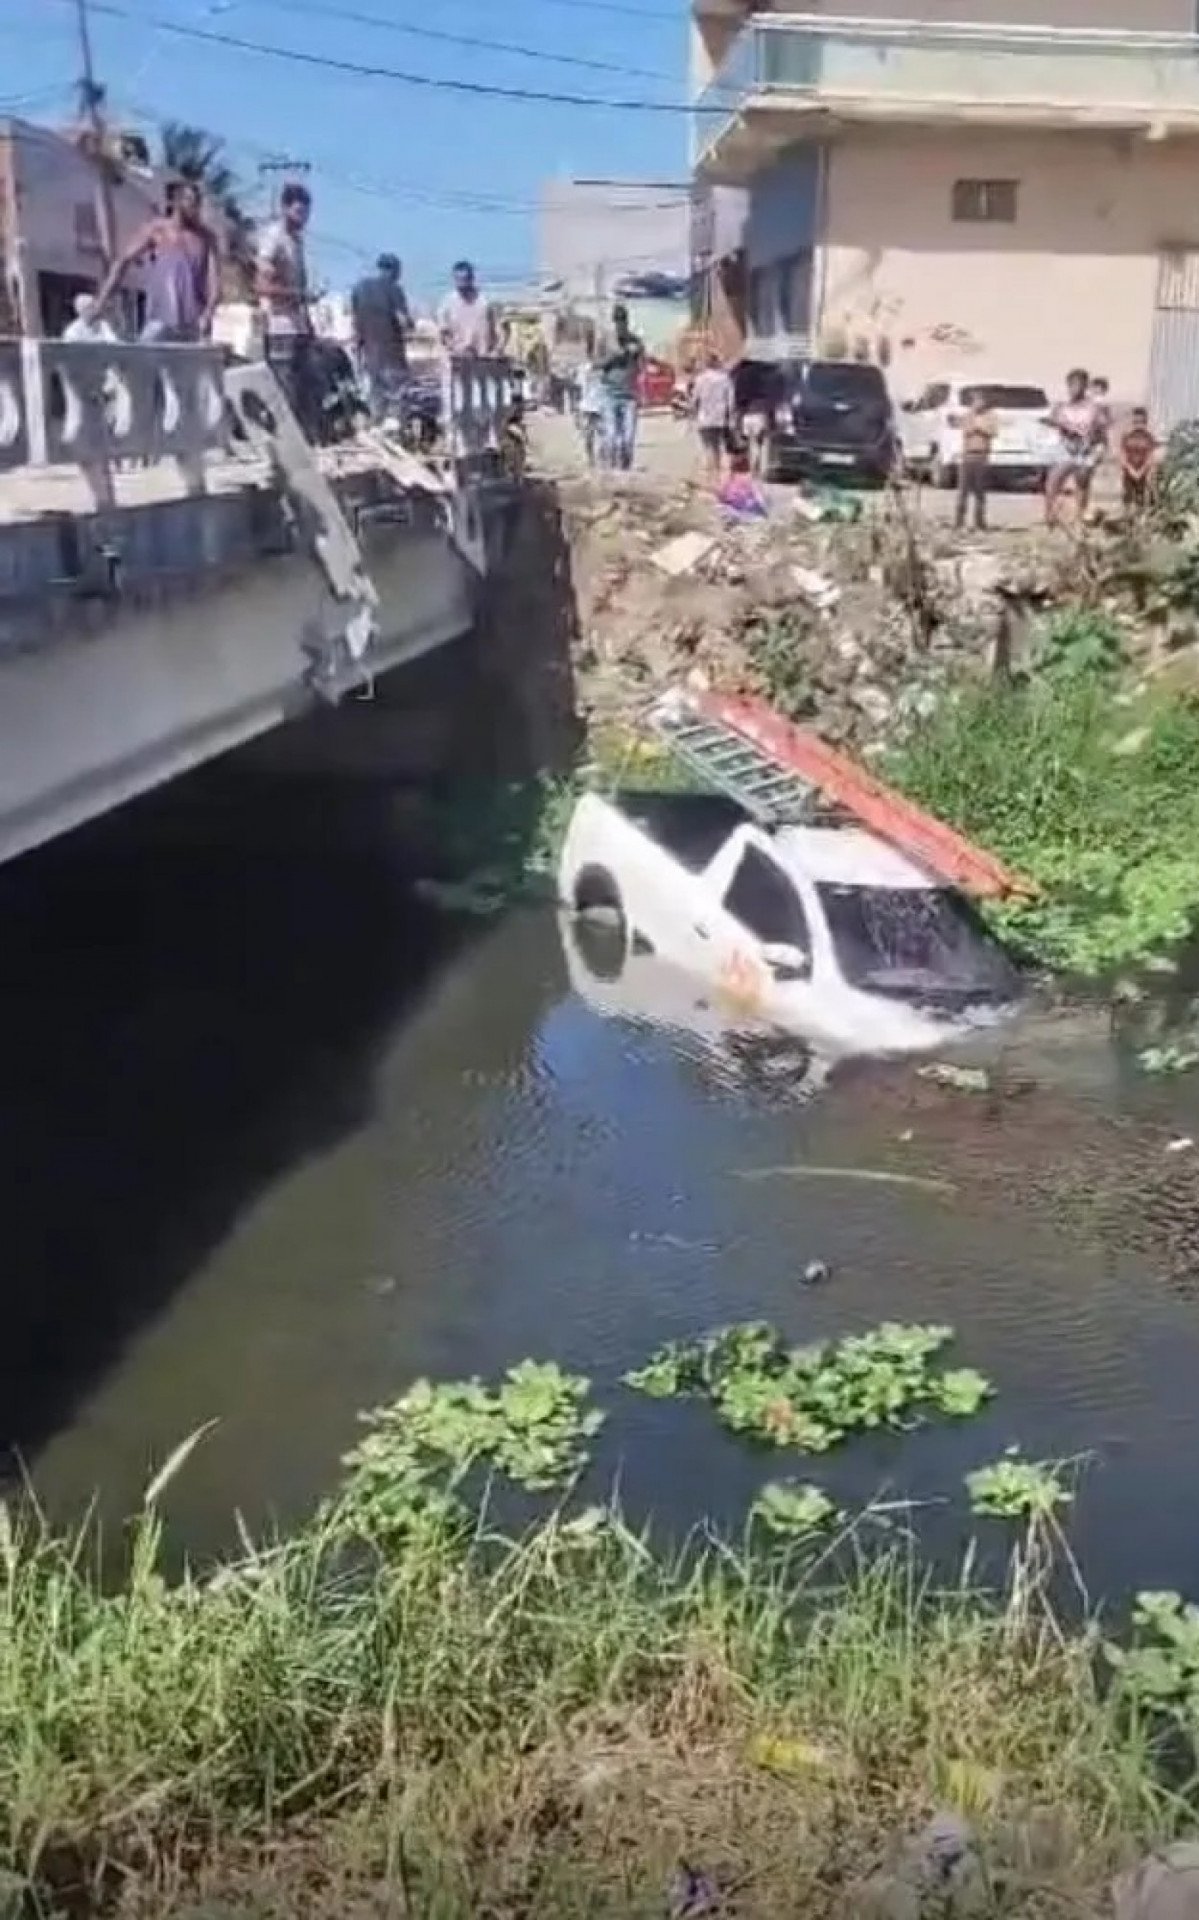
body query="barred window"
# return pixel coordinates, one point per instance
(992, 200)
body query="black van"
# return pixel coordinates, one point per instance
(829, 417)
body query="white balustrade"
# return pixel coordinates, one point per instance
(86, 403)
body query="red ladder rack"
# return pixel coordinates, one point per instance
(836, 777)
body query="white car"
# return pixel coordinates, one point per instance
(931, 429)
(823, 931)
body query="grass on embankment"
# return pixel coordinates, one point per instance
(471, 1726)
(1091, 793)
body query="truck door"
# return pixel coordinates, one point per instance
(764, 940)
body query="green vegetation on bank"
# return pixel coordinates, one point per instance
(402, 1709)
(1090, 790)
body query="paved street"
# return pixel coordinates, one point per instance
(667, 450)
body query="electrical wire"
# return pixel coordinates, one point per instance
(320, 10)
(404, 192)
(368, 71)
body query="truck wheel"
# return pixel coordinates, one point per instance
(601, 931)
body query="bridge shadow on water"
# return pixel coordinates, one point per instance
(193, 995)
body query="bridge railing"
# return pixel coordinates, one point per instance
(92, 404)
(87, 403)
(477, 393)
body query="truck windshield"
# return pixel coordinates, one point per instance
(915, 940)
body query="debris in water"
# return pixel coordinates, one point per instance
(876, 1174)
(943, 1073)
(815, 1272)
(674, 1241)
(1183, 1144)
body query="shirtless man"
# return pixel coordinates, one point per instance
(183, 279)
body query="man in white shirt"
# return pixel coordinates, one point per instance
(283, 298)
(465, 320)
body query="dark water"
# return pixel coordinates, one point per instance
(279, 1138)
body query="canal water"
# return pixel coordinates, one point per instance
(281, 1136)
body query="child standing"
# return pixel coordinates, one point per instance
(1138, 457)
(591, 407)
(974, 479)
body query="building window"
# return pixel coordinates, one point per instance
(985, 200)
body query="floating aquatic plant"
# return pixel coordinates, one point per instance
(813, 1397)
(793, 1508)
(1018, 1489)
(533, 1427)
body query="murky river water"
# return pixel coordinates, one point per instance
(279, 1138)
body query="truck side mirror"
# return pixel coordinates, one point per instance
(787, 962)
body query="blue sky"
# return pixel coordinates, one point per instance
(425, 173)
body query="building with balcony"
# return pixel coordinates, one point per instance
(1011, 185)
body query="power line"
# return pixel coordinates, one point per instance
(366, 71)
(319, 9)
(625, 11)
(404, 192)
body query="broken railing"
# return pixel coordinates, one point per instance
(94, 404)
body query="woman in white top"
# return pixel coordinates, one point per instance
(1082, 426)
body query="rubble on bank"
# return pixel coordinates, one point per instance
(855, 625)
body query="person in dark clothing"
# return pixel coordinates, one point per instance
(382, 323)
(620, 371)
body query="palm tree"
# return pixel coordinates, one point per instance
(193, 154)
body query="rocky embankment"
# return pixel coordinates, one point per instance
(851, 622)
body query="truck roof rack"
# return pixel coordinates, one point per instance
(784, 775)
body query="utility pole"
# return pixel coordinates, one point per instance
(274, 166)
(91, 103)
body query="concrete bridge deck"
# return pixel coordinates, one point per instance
(175, 588)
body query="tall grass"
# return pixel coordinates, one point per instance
(540, 1725)
(1093, 796)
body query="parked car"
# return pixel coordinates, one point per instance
(828, 417)
(930, 429)
(824, 931)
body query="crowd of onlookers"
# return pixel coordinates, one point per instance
(180, 264)
(734, 438)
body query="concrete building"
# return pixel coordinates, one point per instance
(50, 225)
(1011, 185)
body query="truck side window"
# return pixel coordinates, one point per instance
(767, 905)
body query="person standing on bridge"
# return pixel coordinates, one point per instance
(183, 269)
(382, 323)
(465, 320)
(283, 298)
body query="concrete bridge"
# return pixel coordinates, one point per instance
(180, 572)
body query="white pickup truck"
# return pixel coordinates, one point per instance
(824, 931)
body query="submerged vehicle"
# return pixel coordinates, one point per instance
(817, 926)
